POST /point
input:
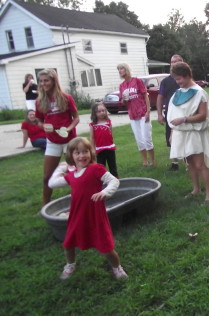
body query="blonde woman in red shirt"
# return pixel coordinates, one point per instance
(134, 94)
(56, 111)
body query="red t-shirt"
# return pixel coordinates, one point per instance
(58, 119)
(137, 107)
(34, 131)
(103, 136)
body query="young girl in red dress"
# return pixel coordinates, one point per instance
(101, 137)
(88, 223)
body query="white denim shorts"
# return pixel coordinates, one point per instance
(55, 150)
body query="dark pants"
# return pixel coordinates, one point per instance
(109, 157)
(167, 131)
(39, 143)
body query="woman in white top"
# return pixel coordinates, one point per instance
(188, 118)
(31, 91)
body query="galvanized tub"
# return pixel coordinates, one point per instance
(133, 194)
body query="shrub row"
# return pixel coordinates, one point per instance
(9, 115)
(82, 102)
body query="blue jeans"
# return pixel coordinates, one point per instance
(39, 143)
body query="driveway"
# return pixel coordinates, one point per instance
(11, 134)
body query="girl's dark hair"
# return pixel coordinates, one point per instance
(27, 119)
(94, 110)
(181, 69)
(73, 144)
(26, 78)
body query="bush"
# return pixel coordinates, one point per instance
(82, 101)
(8, 115)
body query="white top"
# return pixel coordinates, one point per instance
(189, 138)
(57, 179)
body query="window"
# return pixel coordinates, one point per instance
(10, 40)
(98, 77)
(84, 79)
(29, 37)
(91, 78)
(87, 46)
(123, 48)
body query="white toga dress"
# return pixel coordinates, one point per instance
(189, 138)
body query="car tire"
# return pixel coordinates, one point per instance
(113, 111)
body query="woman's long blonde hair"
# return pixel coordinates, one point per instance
(58, 94)
(126, 67)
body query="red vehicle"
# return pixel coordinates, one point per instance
(152, 83)
(202, 83)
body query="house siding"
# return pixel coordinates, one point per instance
(5, 100)
(55, 59)
(16, 21)
(106, 56)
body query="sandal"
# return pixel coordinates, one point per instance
(191, 195)
(205, 203)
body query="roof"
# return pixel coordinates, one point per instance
(155, 63)
(14, 55)
(58, 17)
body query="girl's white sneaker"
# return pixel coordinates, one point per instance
(69, 268)
(119, 272)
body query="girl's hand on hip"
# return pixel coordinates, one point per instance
(98, 196)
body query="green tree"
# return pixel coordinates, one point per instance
(190, 40)
(120, 9)
(195, 37)
(176, 20)
(163, 43)
(207, 12)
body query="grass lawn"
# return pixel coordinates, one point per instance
(168, 272)
(14, 121)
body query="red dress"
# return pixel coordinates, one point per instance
(88, 223)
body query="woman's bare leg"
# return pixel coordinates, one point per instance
(50, 164)
(198, 163)
(194, 175)
(144, 157)
(203, 172)
(152, 156)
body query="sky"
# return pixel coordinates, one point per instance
(153, 12)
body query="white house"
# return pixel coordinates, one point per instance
(83, 47)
